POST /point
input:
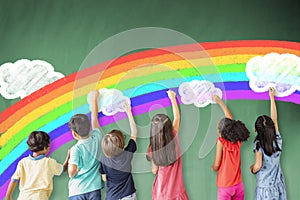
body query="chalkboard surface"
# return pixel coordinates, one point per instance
(64, 33)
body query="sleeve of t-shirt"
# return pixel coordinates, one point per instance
(101, 169)
(279, 139)
(97, 133)
(74, 157)
(18, 173)
(222, 140)
(56, 167)
(131, 147)
(255, 145)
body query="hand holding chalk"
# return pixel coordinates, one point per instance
(272, 92)
(171, 94)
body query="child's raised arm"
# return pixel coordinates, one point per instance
(94, 114)
(273, 109)
(131, 122)
(225, 109)
(176, 113)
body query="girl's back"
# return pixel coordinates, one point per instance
(270, 173)
(229, 173)
(270, 182)
(168, 183)
(164, 152)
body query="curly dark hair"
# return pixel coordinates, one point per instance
(233, 130)
(266, 135)
(38, 141)
(80, 124)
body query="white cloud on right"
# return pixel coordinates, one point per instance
(281, 71)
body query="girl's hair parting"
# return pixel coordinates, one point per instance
(233, 130)
(162, 143)
(113, 143)
(266, 135)
(38, 141)
(80, 124)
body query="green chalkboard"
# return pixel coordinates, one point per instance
(64, 33)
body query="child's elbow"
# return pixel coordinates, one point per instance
(104, 178)
(255, 168)
(72, 171)
(215, 167)
(71, 174)
(154, 171)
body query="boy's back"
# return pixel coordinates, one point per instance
(85, 179)
(116, 162)
(35, 172)
(118, 172)
(86, 155)
(35, 175)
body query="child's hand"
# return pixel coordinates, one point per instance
(272, 92)
(216, 98)
(171, 94)
(66, 163)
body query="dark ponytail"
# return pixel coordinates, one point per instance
(266, 135)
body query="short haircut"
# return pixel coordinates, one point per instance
(80, 124)
(113, 143)
(38, 141)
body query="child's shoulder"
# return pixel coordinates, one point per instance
(228, 144)
(96, 132)
(24, 160)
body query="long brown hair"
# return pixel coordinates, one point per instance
(162, 141)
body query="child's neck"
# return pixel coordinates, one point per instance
(38, 153)
(85, 137)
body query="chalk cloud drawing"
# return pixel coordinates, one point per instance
(281, 71)
(24, 77)
(198, 92)
(110, 101)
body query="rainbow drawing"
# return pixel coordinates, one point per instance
(51, 107)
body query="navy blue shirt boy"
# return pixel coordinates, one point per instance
(115, 164)
(118, 173)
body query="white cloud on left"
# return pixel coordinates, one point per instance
(24, 77)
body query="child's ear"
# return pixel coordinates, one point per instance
(47, 149)
(75, 135)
